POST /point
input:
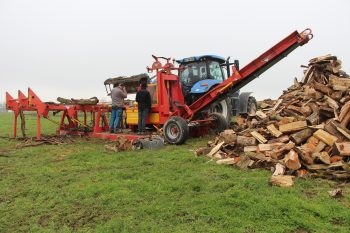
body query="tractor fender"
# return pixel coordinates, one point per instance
(243, 102)
(203, 86)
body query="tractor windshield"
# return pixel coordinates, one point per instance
(197, 71)
(193, 73)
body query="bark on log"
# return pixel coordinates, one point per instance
(280, 150)
(246, 141)
(228, 136)
(313, 119)
(345, 110)
(301, 136)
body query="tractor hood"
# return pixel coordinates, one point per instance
(203, 86)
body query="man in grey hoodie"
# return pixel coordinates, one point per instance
(118, 94)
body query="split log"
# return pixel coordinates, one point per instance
(279, 170)
(259, 137)
(292, 160)
(261, 115)
(307, 74)
(314, 107)
(282, 181)
(244, 162)
(322, 88)
(274, 131)
(246, 141)
(202, 151)
(343, 148)
(324, 157)
(305, 154)
(346, 120)
(296, 109)
(330, 128)
(336, 158)
(292, 127)
(336, 95)
(301, 136)
(326, 166)
(284, 138)
(267, 147)
(320, 146)
(327, 57)
(280, 150)
(227, 161)
(278, 103)
(311, 144)
(228, 136)
(329, 139)
(250, 148)
(344, 131)
(345, 110)
(215, 149)
(306, 110)
(111, 148)
(331, 102)
(339, 84)
(219, 155)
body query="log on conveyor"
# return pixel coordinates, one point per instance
(91, 101)
(306, 131)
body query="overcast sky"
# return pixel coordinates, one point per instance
(68, 48)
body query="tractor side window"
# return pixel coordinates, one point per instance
(215, 71)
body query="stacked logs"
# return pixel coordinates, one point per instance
(304, 132)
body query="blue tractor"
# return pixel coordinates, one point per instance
(200, 74)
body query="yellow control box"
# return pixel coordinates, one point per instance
(132, 117)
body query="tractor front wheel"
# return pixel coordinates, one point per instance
(176, 130)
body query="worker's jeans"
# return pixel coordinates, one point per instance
(142, 119)
(117, 115)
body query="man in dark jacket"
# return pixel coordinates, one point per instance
(118, 94)
(143, 98)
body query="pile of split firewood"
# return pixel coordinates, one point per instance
(303, 133)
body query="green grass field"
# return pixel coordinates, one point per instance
(80, 188)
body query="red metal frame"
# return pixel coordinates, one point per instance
(70, 114)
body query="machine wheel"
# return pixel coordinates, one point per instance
(224, 107)
(220, 122)
(176, 130)
(252, 106)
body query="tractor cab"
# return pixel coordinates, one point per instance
(198, 74)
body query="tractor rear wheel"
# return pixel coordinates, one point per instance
(224, 107)
(176, 130)
(220, 123)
